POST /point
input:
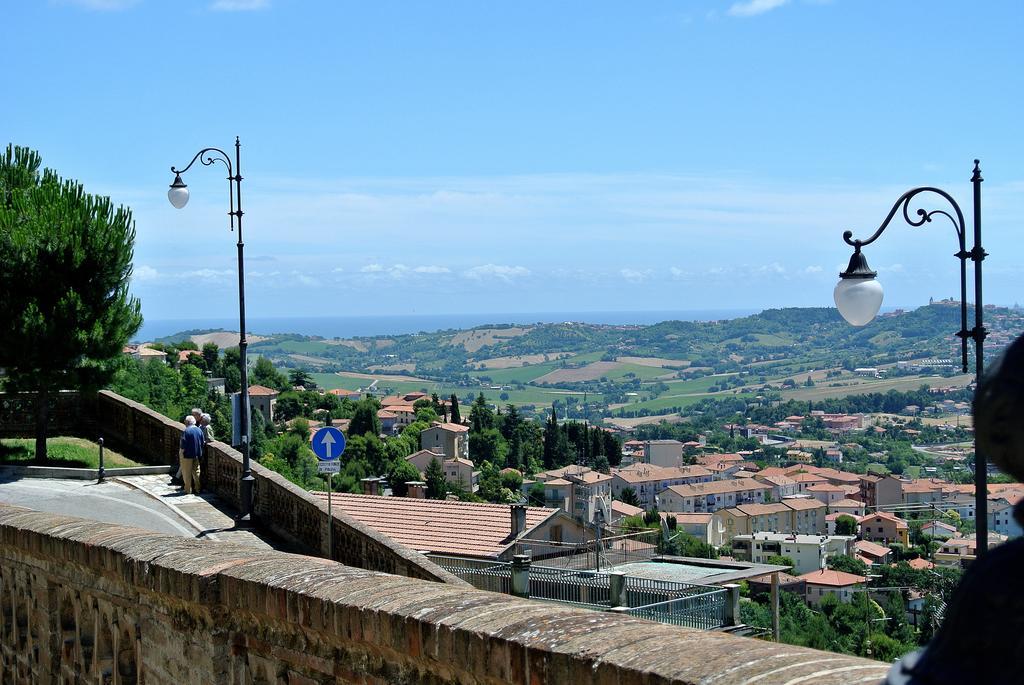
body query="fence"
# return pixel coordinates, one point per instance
(704, 610)
(705, 607)
(591, 554)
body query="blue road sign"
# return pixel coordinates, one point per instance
(328, 443)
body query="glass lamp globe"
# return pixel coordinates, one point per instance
(858, 299)
(178, 193)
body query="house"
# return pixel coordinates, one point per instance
(887, 491)
(579, 490)
(621, 510)
(459, 472)
(871, 553)
(788, 516)
(404, 415)
(144, 353)
(449, 439)
(826, 492)
(450, 527)
(388, 422)
(959, 552)
(647, 480)
(712, 496)
(1000, 515)
(782, 486)
(939, 530)
(705, 527)
(808, 552)
(663, 452)
(839, 584)
(263, 399)
(847, 506)
(217, 385)
(884, 527)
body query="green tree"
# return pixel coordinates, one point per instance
(456, 416)
(535, 497)
(364, 419)
(301, 377)
(781, 560)
(437, 485)
(211, 355)
(847, 564)
(846, 525)
(629, 496)
(399, 473)
(264, 373)
(67, 261)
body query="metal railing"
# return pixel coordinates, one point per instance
(705, 610)
(493, 576)
(579, 588)
(686, 604)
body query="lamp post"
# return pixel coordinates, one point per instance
(858, 297)
(178, 196)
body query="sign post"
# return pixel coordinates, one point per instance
(328, 445)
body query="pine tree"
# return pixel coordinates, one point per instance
(67, 261)
(437, 485)
(456, 417)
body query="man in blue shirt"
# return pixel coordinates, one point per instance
(189, 452)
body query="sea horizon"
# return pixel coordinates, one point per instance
(379, 325)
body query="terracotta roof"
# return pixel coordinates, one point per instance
(809, 478)
(684, 518)
(760, 509)
(921, 564)
(800, 503)
(642, 473)
(623, 509)
(384, 414)
(824, 487)
(832, 578)
(443, 526)
(900, 523)
(871, 549)
(589, 477)
(775, 479)
(260, 390)
(451, 427)
(784, 579)
(717, 487)
(847, 503)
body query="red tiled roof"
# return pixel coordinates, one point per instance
(832, 578)
(259, 390)
(444, 526)
(871, 549)
(921, 564)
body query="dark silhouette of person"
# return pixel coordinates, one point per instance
(981, 639)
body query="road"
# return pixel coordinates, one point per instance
(109, 502)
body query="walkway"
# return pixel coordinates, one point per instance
(149, 502)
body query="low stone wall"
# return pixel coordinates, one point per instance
(280, 505)
(82, 601)
(18, 414)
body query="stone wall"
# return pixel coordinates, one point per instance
(82, 601)
(18, 414)
(280, 506)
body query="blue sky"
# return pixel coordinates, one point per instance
(445, 157)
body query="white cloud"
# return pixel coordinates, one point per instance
(813, 270)
(496, 271)
(431, 269)
(338, 270)
(372, 269)
(635, 276)
(754, 7)
(239, 5)
(145, 273)
(774, 268)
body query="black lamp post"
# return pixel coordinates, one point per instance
(178, 195)
(858, 297)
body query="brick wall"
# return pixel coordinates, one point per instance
(82, 601)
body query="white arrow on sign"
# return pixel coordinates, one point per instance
(328, 440)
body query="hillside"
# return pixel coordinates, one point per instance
(793, 353)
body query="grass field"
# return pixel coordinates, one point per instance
(536, 396)
(865, 386)
(62, 451)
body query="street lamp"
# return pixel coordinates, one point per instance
(178, 196)
(858, 297)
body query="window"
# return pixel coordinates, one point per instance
(556, 534)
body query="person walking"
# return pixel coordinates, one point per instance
(190, 450)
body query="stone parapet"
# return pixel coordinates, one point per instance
(82, 601)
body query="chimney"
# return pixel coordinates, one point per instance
(417, 489)
(371, 486)
(518, 519)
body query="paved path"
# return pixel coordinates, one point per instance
(149, 502)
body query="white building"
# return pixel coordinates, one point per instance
(808, 552)
(663, 452)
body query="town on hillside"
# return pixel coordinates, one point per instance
(873, 507)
